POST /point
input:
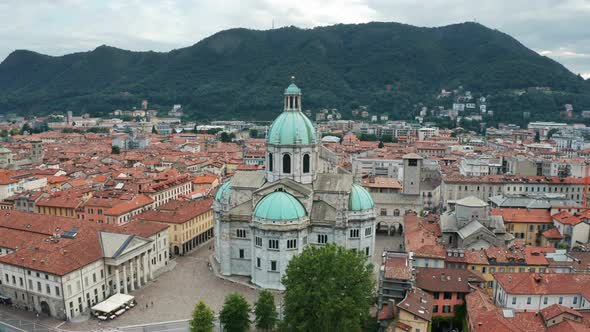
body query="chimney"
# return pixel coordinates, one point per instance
(390, 307)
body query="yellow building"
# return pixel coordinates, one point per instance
(414, 312)
(526, 225)
(513, 259)
(191, 223)
(62, 204)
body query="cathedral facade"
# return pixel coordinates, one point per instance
(264, 218)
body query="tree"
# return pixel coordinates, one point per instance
(266, 311)
(552, 132)
(381, 145)
(225, 137)
(154, 130)
(235, 314)
(537, 137)
(202, 318)
(26, 128)
(328, 288)
(253, 133)
(115, 149)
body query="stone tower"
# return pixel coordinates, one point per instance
(412, 173)
(37, 152)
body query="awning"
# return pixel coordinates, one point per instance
(113, 303)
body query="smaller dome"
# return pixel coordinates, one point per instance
(360, 199)
(292, 89)
(225, 188)
(279, 205)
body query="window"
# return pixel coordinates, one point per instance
(273, 244)
(492, 269)
(383, 212)
(446, 308)
(48, 289)
(545, 300)
(490, 284)
(242, 253)
(413, 162)
(56, 290)
(561, 300)
(258, 241)
(575, 300)
(354, 233)
(322, 238)
(514, 300)
(367, 251)
(241, 233)
(273, 265)
(270, 162)
(38, 286)
(258, 262)
(368, 231)
(292, 244)
(287, 163)
(435, 309)
(436, 295)
(396, 213)
(528, 300)
(306, 163)
(448, 295)
(483, 269)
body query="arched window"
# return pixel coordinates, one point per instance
(287, 163)
(270, 162)
(396, 212)
(306, 163)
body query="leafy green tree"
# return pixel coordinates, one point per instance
(328, 288)
(253, 133)
(381, 145)
(235, 314)
(537, 137)
(266, 311)
(115, 149)
(225, 137)
(3, 133)
(26, 127)
(552, 132)
(14, 131)
(154, 130)
(202, 318)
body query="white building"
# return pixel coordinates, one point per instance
(534, 292)
(61, 267)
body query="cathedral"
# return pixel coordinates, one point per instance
(264, 218)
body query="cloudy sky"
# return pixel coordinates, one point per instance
(559, 29)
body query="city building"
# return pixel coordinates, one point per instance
(264, 218)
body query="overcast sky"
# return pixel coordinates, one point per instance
(556, 28)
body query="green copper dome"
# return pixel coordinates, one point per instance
(289, 126)
(225, 188)
(360, 199)
(279, 205)
(292, 89)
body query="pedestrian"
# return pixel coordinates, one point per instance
(152, 304)
(146, 305)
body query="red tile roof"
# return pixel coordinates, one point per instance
(544, 284)
(516, 215)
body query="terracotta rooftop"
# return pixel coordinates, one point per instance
(177, 211)
(529, 216)
(446, 280)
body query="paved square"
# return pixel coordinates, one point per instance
(173, 295)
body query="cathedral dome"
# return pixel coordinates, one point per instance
(224, 189)
(292, 89)
(279, 205)
(291, 127)
(360, 199)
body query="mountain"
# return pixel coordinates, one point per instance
(241, 74)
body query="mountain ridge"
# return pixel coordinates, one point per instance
(240, 73)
